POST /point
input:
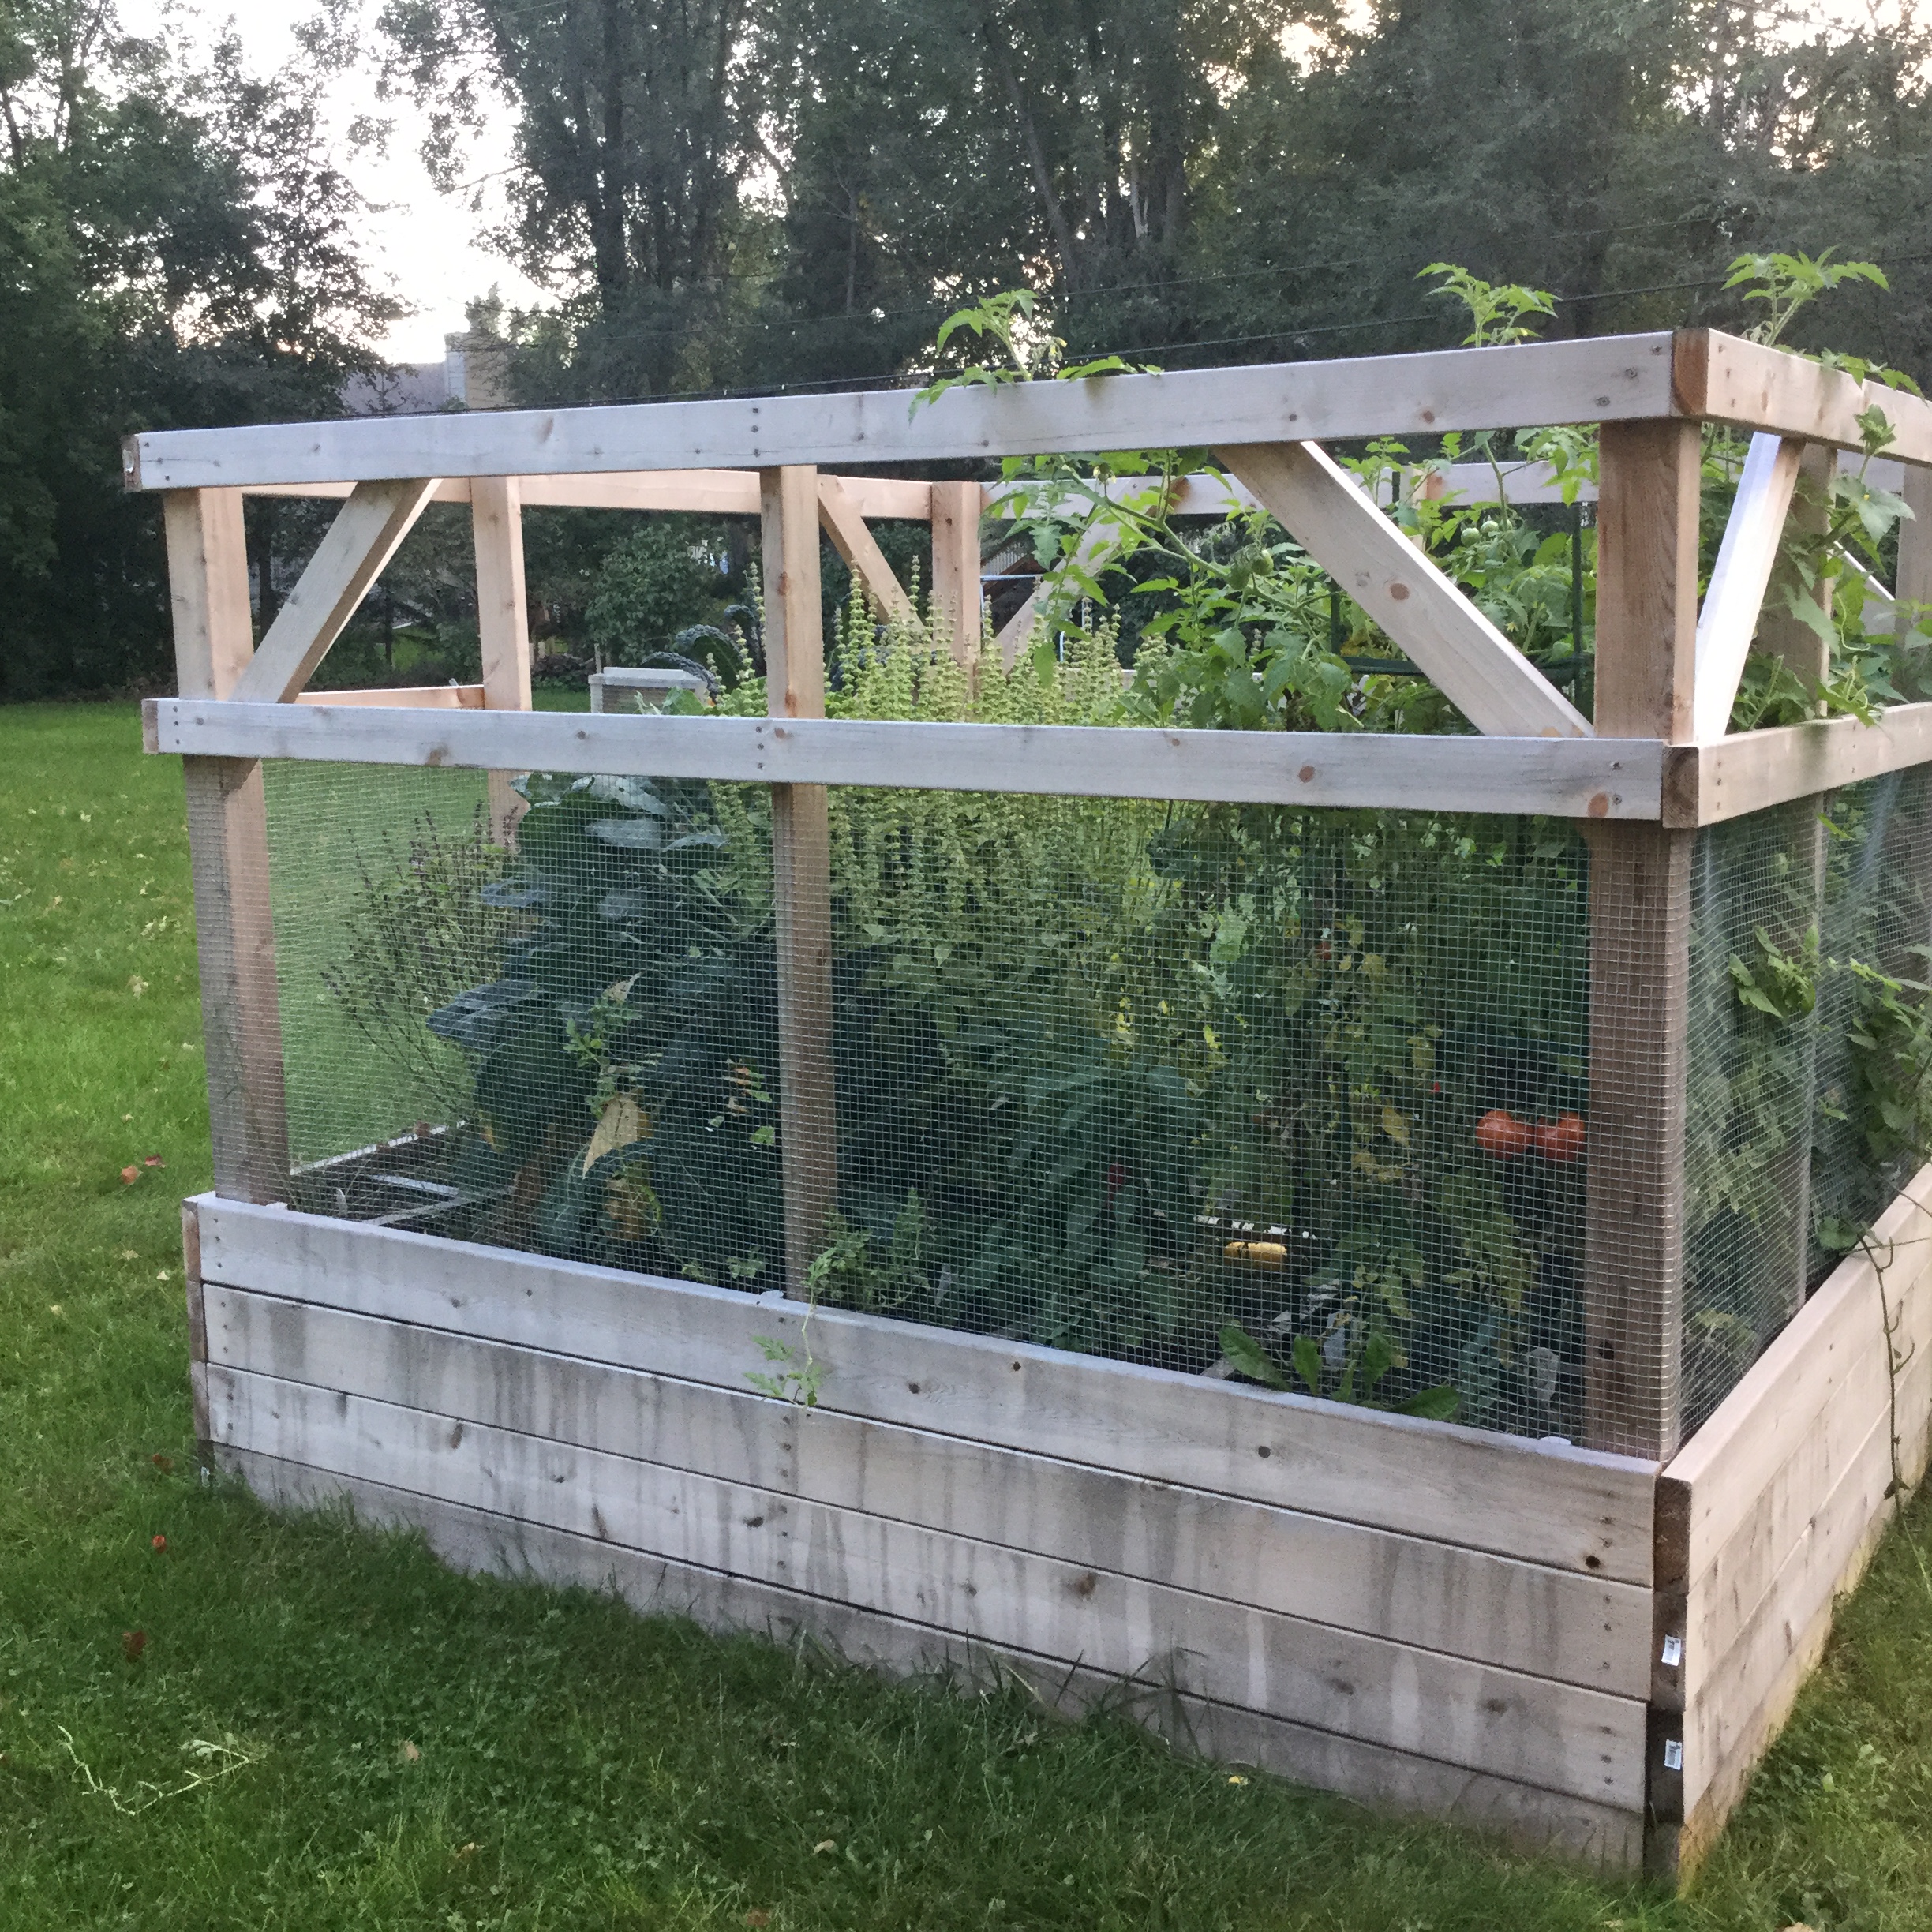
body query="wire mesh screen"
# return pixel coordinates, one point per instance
(1299, 1096)
(1806, 1062)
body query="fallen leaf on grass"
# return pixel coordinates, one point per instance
(158, 1545)
(757, 1918)
(152, 1160)
(137, 985)
(464, 1851)
(164, 1463)
(825, 1844)
(130, 1175)
(132, 1644)
(408, 1752)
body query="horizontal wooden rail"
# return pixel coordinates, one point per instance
(1588, 381)
(708, 492)
(1625, 778)
(1751, 770)
(403, 697)
(1573, 778)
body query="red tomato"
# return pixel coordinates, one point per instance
(1561, 1140)
(1501, 1135)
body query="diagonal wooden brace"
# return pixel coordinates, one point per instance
(1467, 658)
(840, 517)
(1729, 620)
(366, 532)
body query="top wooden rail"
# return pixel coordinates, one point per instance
(1695, 374)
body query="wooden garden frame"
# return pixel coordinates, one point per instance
(1654, 765)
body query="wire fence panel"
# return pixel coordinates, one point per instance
(1301, 1095)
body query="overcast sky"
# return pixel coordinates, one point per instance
(425, 242)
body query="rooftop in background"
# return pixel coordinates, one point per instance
(475, 373)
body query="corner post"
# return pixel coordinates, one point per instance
(228, 848)
(956, 509)
(1640, 933)
(801, 872)
(503, 624)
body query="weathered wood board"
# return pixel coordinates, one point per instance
(1776, 1506)
(1417, 1615)
(478, 1539)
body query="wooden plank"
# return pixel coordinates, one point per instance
(1590, 379)
(503, 627)
(708, 492)
(1574, 778)
(1556, 1737)
(1723, 1715)
(845, 526)
(1646, 580)
(240, 1010)
(477, 1541)
(197, 1326)
(1847, 1444)
(1632, 1252)
(207, 590)
(1724, 379)
(1749, 771)
(801, 874)
(1547, 1623)
(1728, 621)
(955, 508)
(1539, 1502)
(1640, 914)
(448, 489)
(1913, 584)
(350, 557)
(228, 847)
(1467, 658)
(411, 697)
(1803, 1373)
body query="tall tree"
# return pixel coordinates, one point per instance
(175, 247)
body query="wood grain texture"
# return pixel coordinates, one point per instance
(1773, 390)
(1633, 1249)
(1783, 1495)
(1554, 1737)
(1751, 770)
(844, 524)
(207, 590)
(1467, 658)
(1728, 621)
(350, 558)
(1529, 1819)
(801, 874)
(1913, 584)
(956, 509)
(711, 492)
(1646, 580)
(403, 697)
(1579, 778)
(241, 1000)
(1536, 1502)
(1591, 380)
(1413, 1590)
(502, 626)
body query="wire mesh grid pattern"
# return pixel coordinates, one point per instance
(1107, 1075)
(1809, 930)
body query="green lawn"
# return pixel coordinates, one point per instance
(401, 1748)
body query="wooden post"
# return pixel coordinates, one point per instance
(503, 624)
(801, 872)
(228, 846)
(956, 563)
(1640, 932)
(1914, 583)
